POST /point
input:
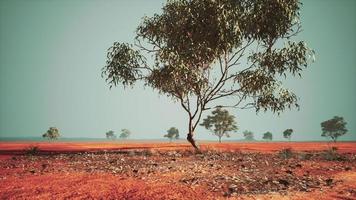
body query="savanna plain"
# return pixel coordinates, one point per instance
(161, 170)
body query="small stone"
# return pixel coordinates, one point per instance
(348, 168)
(283, 182)
(329, 181)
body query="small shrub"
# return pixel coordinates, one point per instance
(305, 156)
(32, 150)
(332, 154)
(286, 153)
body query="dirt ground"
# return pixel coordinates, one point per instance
(132, 170)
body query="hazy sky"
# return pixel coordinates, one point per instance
(52, 51)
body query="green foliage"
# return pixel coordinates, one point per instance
(123, 65)
(207, 50)
(220, 123)
(51, 134)
(248, 135)
(334, 128)
(125, 133)
(286, 153)
(172, 133)
(110, 135)
(288, 133)
(267, 136)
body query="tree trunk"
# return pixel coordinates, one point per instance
(192, 141)
(219, 139)
(190, 136)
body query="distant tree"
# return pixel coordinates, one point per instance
(125, 133)
(172, 133)
(51, 134)
(288, 133)
(248, 135)
(220, 123)
(204, 51)
(110, 135)
(334, 128)
(267, 136)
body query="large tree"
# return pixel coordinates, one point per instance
(220, 123)
(334, 128)
(205, 50)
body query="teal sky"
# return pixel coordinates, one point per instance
(51, 54)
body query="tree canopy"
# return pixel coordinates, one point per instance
(248, 135)
(220, 123)
(110, 135)
(51, 134)
(334, 128)
(288, 133)
(125, 133)
(267, 136)
(204, 51)
(172, 133)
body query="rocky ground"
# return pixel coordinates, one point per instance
(210, 175)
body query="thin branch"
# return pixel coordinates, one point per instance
(138, 44)
(219, 84)
(242, 49)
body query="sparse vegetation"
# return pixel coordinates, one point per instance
(205, 51)
(332, 154)
(32, 150)
(220, 123)
(286, 153)
(334, 128)
(288, 134)
(172, 133)
(51, 134)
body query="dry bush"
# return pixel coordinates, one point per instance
(286, 153)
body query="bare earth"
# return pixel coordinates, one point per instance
(112, 170)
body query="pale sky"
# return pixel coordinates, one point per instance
(52, 52)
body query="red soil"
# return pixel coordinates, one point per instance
(264, 147)
(89, 185)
